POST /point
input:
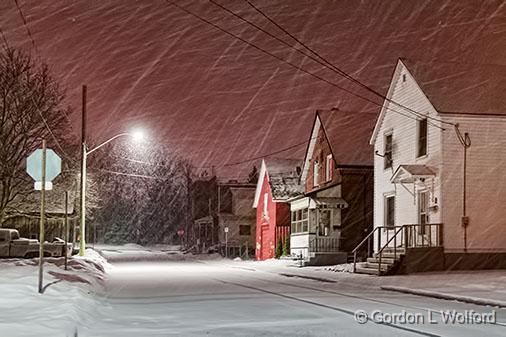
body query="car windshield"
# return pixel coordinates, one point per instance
(14, 235)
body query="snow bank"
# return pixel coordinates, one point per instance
(341, 268)
(64, 306)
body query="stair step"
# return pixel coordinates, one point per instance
(363, 270)
(387, 260)
(391, 250)
(389, 255)
(384, 266)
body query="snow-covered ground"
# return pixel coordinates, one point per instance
(215, 297)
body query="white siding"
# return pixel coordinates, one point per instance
(486, 184)
(404, 131)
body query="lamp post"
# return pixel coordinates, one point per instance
(82, 230)
(137, 135)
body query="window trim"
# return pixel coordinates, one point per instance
(418, 134)
(316, 173)
(266, 202)
(329, 168)
(387, 196)
(385, 152)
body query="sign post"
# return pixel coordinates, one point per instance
(43, 165)
(42, 213)
(66, 236)
(226, 241)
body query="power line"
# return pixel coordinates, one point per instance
(331, 65)
(25, 24)
(288, 62)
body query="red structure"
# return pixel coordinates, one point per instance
(277, 182)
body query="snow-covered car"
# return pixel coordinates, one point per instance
(12, 245)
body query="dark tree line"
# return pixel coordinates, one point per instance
(31, 108)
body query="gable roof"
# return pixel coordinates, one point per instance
(461, 88)
(348, 135)
(454, 88)
(282, 176)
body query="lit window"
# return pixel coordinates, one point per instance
(266, 201)
(329, 167)
(316, 173)
(300, 221)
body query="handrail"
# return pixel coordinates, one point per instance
(394, 238)
(408, 230)
(367, 239)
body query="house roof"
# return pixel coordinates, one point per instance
(348, 133)
(283, 177)
(462, 88)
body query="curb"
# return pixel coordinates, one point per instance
(444, 296)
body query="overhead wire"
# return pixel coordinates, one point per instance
(337, 69)
(285, 61)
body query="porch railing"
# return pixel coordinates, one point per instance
(395, 239)
(322, 244)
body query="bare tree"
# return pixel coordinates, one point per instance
(30, 109)
(143, 192)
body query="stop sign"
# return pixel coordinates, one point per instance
(180, 232)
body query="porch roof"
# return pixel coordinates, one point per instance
(409, 173)
(330, 202)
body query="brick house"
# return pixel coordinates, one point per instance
(335, 211)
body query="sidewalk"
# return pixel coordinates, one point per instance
(483, 287)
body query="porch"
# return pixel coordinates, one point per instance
(400, 249)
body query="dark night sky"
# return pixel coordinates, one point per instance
(218, 101)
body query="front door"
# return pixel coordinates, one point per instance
(265, 244)
(423, 215)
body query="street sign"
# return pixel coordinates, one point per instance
(38, 186)
(180, 232)
(34, 168)
(226, 229)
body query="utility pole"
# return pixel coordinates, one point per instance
(82, 227)
(42, 212)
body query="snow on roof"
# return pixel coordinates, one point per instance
(283, 176)
(348, 133)
(463, 88)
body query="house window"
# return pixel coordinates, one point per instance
(329, 167)
(244, 230)
(300, 221)
(387, 151)
(390, 210)
(266, 202)
(422, 138)
(316, 173)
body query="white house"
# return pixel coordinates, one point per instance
(439, 177)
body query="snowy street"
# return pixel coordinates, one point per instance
(170, 294)
(236, 298)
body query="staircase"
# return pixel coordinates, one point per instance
(400, 240)
(389, 262)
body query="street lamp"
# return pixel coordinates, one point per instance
(136, 135)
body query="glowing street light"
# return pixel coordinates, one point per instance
(137, 135)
